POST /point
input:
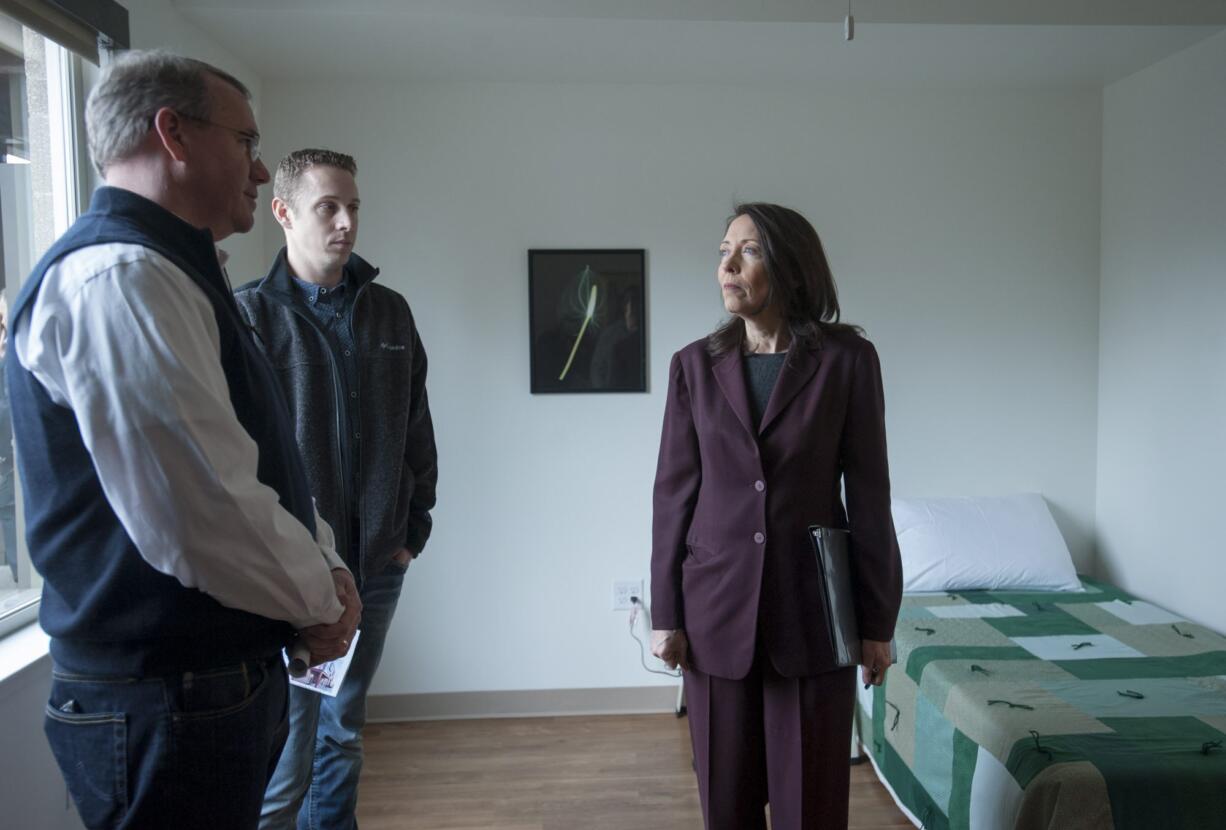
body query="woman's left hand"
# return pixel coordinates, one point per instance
(875, 660)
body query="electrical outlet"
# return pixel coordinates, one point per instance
(623, 589)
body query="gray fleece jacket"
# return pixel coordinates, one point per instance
(398, 465)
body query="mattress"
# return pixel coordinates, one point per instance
(1087, 709)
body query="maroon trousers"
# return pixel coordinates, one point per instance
(768, 738)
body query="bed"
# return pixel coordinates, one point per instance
(1024, 709)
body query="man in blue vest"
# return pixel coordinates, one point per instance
(166, 505)
(351, 362)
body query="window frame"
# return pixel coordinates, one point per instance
(71, 183)
(89, 28)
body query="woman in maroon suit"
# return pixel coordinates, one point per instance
(765, 418)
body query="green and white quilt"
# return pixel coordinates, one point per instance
(1053, 710)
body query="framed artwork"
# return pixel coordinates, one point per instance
(587, 320)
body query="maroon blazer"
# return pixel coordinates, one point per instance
(731, 557)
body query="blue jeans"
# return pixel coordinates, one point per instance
(315, 786)
(185, 751)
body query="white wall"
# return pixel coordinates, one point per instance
(156, 24)
(1162, 411)
(963, 230)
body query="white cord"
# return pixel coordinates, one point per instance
(634, 615)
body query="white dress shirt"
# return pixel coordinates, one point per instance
(124, 338)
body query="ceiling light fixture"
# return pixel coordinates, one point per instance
(849, 24)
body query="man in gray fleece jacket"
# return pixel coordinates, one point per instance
(352, 366)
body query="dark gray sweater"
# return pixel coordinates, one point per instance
(761, 372)
(391, 425)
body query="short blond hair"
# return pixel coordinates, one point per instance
(288, 181)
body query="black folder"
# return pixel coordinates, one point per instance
(830, 545)
(832, 549)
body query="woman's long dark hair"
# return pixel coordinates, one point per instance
(799, 276)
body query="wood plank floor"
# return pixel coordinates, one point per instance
(623, 772)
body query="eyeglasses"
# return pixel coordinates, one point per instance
(249, 139)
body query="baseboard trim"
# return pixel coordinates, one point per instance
(522, 703)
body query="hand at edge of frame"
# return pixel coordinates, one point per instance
(875, 661)
(671, 646)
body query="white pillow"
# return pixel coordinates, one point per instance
(1009, 542)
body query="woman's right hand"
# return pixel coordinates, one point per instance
(671, 646)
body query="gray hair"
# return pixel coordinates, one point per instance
(131, 90)
(288, 181)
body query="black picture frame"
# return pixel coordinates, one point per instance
(587, 320)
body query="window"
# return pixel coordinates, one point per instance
(42, 181)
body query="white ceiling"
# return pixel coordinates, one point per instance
(905, 43)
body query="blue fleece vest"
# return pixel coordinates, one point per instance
(106, 609)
